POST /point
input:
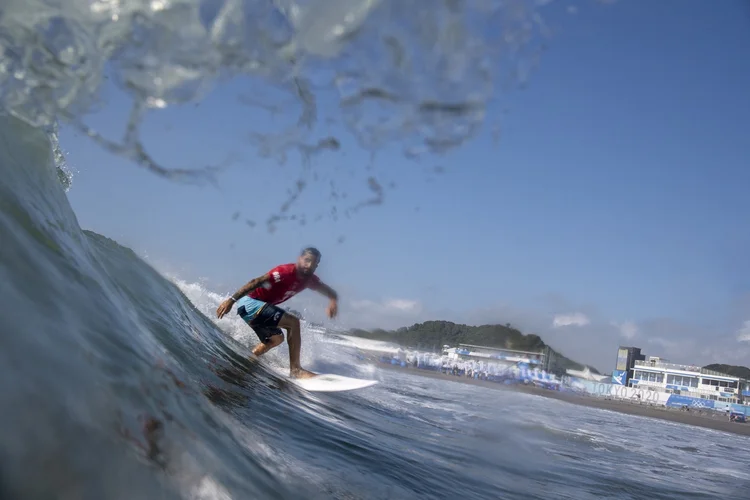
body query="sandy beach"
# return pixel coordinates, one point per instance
(707, 419)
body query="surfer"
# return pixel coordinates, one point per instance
(257, 305)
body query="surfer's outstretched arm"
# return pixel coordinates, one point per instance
(333, 305)
(251, 285)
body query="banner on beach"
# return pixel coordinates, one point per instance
(619, 377)
(677, 401)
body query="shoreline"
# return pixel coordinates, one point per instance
(713, 421)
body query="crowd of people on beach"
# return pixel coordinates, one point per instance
(492, 371)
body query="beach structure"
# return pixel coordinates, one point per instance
(626, 359)
(658, 380)
(686, 380)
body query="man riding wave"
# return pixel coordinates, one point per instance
(257, 305)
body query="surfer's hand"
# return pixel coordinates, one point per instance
(224, 308)
(333, 309)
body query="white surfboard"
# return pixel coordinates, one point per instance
(329, 382)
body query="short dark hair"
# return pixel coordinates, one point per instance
(312, 251)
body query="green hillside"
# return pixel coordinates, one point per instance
(732, 370)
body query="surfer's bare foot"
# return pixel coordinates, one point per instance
(300, 373)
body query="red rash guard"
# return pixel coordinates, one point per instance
(284, 283)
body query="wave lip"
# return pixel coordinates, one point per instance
(402, 72)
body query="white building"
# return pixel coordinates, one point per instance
(693, 381)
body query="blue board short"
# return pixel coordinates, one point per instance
(262, 317)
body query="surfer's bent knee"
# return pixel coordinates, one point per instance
(274, 340)
(289, 321)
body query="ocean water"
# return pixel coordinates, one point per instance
(118, 383)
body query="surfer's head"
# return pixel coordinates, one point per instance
(308, 261)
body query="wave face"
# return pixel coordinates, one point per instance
(116, 384)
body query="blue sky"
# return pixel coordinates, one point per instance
(611, 210)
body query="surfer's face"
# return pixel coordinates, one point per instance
(307, 264)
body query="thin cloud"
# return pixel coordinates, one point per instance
(387, 305)
(628, 329)
(570, 319)
(403, 305)
(743, 334)
(388, 313)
